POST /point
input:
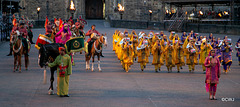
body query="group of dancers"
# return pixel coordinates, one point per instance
(130, 47)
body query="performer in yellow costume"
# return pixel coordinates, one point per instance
(150, 38)
(179, 57)
(143, 52)
(172, 35)
(119, 46)
(164, 44)
(191, 55)
(115, 37)
(205, 49)
(127, 55)
(157, 55)
(169, 53)
(134, 39)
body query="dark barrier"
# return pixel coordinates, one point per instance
(197, 27)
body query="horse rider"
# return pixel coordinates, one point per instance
(90, 40)
(48, 29)
(23, 32)
(14, 28)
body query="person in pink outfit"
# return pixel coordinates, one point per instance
(212, 64)
(63, 35)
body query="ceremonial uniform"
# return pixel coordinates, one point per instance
(63, 35)
(115, 37)
(119, 46)
(171, 36)
(179, 56)
(127, 56)
(24, 34)
(205, 49)
(14, 28)
(134, 39)
(48, 30)
(143, 53)
(170, 59)
(226, 57)
(164, 44)
(150, 39)
(157, 56)
(64, 70)
(191, 56)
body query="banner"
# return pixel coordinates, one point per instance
(42, 40)
(75, 44)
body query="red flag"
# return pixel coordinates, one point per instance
(42, 40)
(46, 22)
(14, 22)
(60, 23)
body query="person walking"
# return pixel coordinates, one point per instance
(64, 70)
(212, 64)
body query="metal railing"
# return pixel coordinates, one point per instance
(177, 22)
(5, 31)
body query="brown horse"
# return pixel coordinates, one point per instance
(18, 50)
(96, 50)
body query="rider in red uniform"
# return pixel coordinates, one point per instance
(90, 41)
(23, 32)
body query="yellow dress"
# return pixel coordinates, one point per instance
(191, 58)
(185, 45)
(169, 53)
(204, 54)
(143, 54)
(179, 56)
(164, 44)
(157, 54)
(118, 47)
(134, 40)
(127, 56)
(150, 36)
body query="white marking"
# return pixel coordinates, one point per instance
(42, 38)
(39, 59)
(99, 68)
(92, 66)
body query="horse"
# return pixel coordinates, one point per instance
(48, 53)
(96, 50)
(18, 50)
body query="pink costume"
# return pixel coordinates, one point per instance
(212, 73)
(63, 35)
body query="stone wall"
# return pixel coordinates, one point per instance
(134, 9)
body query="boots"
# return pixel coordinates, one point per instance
(101, 54)
(10, 53)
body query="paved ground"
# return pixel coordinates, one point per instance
(113, 87)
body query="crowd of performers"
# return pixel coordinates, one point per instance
(171, 50)
(60, 32)
(25, 31)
